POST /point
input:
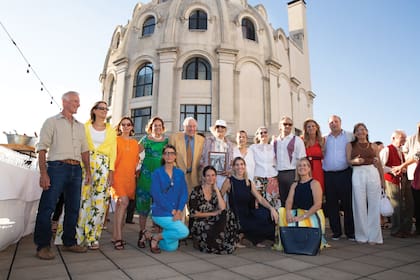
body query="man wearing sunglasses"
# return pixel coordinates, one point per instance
(288, 148)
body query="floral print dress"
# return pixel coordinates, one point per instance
(215, 234)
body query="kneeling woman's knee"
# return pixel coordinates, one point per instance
(182, 230)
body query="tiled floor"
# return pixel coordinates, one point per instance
(397, 259)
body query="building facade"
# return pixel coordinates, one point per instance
(209, 59)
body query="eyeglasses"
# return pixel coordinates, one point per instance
(169, 153)
(219, 126)
(263, 132)
(102, 108)
(126, 124)
(287, 124)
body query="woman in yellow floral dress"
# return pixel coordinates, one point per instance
(102, 141)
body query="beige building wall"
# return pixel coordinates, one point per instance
(253, 82)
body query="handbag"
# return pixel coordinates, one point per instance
(386, 207)
(300, 240)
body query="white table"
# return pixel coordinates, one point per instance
(19, 196)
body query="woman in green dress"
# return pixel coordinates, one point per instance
(152, 144)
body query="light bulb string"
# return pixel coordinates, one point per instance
(43, 87)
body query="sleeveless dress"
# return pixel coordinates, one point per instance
(215, 234)
(153, 155)
(314, 154)
(255, 224)
(302, 201)
(125, 168)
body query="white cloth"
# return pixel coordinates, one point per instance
(249, 160)
(19, 198)
(283, 161)
(98, 136)
(367, 191)
(411, 147)
(265, 162)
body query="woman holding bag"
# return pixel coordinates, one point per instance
(303, 204)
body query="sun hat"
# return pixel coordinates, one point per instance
(217, 123)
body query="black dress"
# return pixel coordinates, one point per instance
(215, 234)
(255, 224)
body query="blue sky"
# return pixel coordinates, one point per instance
(365, 62)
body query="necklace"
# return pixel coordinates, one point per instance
(362, 147)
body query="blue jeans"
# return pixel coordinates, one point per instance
(172, 232)
(66, 179)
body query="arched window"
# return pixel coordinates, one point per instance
(198, 20)
(248, 29)
(148, 26)
(111, 92)
(196, 69)
(143, 85)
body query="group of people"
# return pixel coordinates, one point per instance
(209, 188)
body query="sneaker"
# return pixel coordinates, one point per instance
(351, 238)
(336, 236)
(75, 249)
(45, 253)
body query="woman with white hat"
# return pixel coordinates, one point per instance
(218, 151)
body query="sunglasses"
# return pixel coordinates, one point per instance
(263, 132)
(102, 108)
(287, 124)
(169, 153)
(126, 124)
(219, 126)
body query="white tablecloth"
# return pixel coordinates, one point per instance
(19, 198)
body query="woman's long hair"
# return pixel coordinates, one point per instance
(356, 126)
(318, 135)
(245, 172)
(117, 128)
(149, 124)
(94, 107)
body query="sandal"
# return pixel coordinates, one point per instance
(154, 249)
(119, 245)
(141, 242)
(123, 242)
(94, 246)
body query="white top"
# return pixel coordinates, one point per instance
(249, 160)
(98, 137)
(384, 156)
(410, 148)
(283, 160)
(265, 162)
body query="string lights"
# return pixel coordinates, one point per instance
(30, 69)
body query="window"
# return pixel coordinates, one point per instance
(196, 69)
(143, 85)
(248, 29)
(111, 92)
(198, 20)
(140, 118)
(202, 113)
(148, 26)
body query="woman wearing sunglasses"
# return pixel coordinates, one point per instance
(170, 194)
(124, 186)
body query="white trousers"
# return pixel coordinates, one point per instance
(366, 204)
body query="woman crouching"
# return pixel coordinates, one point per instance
(170, 194)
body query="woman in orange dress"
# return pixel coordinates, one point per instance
(124, 185)
(314, 144)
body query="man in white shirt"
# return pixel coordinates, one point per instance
(338, 179)
(288, 149)
(397, 186)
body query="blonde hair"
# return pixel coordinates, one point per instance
(245, 172)
(304, 159)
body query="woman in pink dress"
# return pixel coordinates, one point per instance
(314, 144)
